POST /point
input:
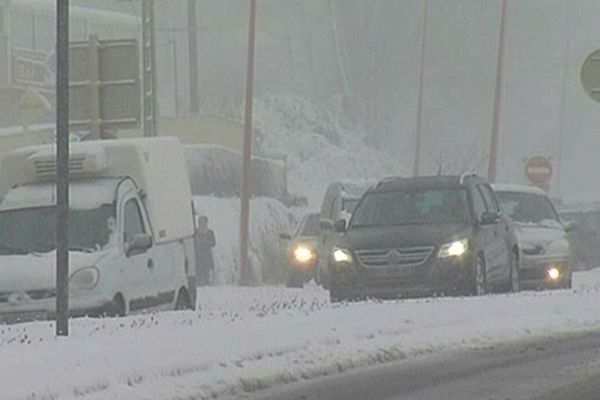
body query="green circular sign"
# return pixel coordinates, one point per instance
(590, 75)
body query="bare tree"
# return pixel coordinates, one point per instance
(458, 158)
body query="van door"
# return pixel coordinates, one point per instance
(138, 265)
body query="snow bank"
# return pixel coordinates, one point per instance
(244, 339)
(268, 218)
(320, 147)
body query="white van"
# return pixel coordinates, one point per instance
(131, 227)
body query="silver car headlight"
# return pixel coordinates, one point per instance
(454, 249)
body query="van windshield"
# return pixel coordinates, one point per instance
(414, 206)
(33, 230)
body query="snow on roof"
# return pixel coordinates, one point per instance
(82, 195)
(510, 187)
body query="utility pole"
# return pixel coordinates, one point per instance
(62, 167)
(245, 271)
(193, 56)
(419, 128)
(494, 141)
(149, 70)
(175, 77)
(563, 97)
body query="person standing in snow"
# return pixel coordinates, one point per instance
(205, 241)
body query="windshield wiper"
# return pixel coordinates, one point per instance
(82, 249)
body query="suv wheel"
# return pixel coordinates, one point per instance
(514, 285)
(479, 277)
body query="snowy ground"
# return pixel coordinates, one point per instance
(243, 339)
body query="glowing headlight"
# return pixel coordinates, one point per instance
(342, 256)
(454, 249)
(553, 273)
(86, 278)
(303, 254)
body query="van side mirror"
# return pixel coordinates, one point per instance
(340, 226)
(326, 225)
(489, 218)
(140, 243)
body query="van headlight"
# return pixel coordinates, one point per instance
(454, 249)
(342, 256)
(86, 278)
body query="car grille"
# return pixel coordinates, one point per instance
(404, 256)
(38, 294)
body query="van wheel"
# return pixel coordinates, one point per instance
(183, 300)
(118, 306)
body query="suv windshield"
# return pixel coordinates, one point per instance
(415, 206)
(32, 230)
(527, 207)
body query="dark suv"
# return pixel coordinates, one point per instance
(425, 236)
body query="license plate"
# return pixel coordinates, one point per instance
(393, 271)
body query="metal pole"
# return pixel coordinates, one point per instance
(62, 167)
(175, 77)
(419, 129)
(193, 56)
(94, 88)
(563, 99)
(149, 69)
(493, 160)
(247, 160)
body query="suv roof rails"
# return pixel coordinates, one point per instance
(466, 175)
(386, 180)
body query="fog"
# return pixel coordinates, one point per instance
(364, 55)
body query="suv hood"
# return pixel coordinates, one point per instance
(404, 236)
(541, 239)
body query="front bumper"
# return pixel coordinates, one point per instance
(434, 277)
(39, 310)
(533, 272)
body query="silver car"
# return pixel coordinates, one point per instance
(542, 236)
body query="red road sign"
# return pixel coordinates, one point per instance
(539, 170)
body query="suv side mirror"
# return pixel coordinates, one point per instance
(340, 226)
(139, 244)
(570, 226)
(489, 218)
(285, 236)
(326, 225)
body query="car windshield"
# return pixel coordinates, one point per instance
(528, 208)
(419, 206)
(33, 230)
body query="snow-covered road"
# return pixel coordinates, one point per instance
(243, 339)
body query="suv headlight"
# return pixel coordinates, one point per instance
(86, 278)
(342, 256)
(454, 249)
